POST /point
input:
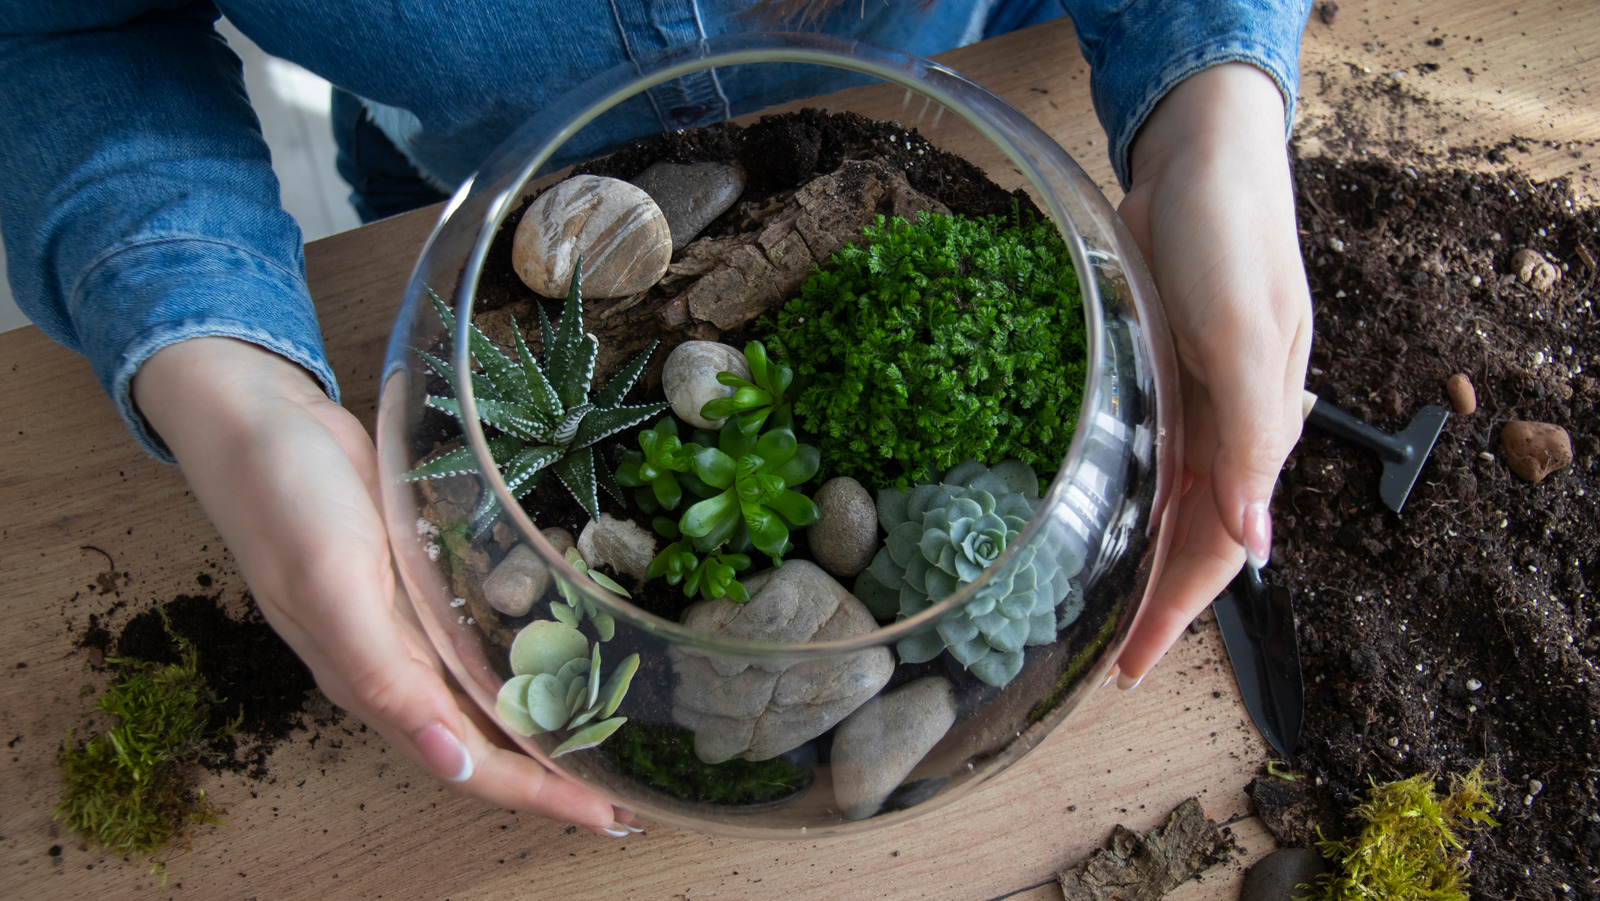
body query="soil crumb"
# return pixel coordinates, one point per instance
(1464, 629)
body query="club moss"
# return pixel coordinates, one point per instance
(1409, 846)
(131, 788)
(663, 757)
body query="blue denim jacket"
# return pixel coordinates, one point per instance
(140, 208)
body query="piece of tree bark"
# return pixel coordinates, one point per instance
(1145, 866)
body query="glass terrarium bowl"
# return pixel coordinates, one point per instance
(799, 712)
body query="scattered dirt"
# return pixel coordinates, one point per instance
(255, 677)
(1463, 630)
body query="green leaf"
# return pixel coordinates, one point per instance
(620, 384)
(617, 685)
(794, 507)
(576, 471)
(605, 422)
(511, 706)
(544, 646)
(589, 736)
(713, 467)
(701, 519)
(547, 702)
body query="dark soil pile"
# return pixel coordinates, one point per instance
(1463, 630)
(255, 678)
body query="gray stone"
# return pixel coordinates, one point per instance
(618, 543)
(878, 746)
(618, 231)
(689, 378)
(691, 195)
(845, 535)
(758, 708)
(1274, 877)
(522, 578)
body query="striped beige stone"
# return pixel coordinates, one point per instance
(618, 231)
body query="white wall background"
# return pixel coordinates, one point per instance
(293, 107)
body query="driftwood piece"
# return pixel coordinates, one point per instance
(720, 283)
(1145, 866)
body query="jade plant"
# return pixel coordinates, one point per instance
(547, 419)
(556, 684)
(943, 536)
(745, 485)
(753, 399)
(936, 341)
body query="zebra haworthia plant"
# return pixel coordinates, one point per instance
(546, 417)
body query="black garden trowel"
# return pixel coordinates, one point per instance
(1403, 453)
(1257, 619)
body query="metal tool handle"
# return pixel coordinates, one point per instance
(1336, 422)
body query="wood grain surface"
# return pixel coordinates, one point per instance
(342, 817)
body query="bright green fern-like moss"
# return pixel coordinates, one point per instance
(1410, 846)
(130, 787)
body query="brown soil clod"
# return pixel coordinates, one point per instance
(1535, 449)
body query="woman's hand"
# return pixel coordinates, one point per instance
(289, 478)
(1212, 208)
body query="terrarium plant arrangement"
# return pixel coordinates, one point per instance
(752, 505)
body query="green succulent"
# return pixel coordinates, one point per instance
(654, 467)
(943, 536)
(577, 606)
(556, 684)
(712, 576)
(754, 399)
(546, 416)
(748, 488)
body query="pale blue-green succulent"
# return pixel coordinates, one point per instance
(556, 684)
(573, 606)
(943, 536)
(546, 415)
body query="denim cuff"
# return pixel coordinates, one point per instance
(140, 298)
(1147, 52)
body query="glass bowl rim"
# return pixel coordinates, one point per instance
(909, 71)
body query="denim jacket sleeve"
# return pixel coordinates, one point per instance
(1138, 50)
(139, 204)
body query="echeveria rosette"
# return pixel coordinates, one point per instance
(548, 420)
(946, 535)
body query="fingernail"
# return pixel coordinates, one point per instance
(444, 752)
(1257, 534)
(1126, 682)
(1111, 676)
(618, 830)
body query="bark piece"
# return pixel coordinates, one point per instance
(1145, 866)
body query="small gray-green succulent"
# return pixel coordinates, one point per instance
(556, 684)
(943, 536)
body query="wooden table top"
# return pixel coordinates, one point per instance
(354, 821)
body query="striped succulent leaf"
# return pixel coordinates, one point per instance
(545, 417)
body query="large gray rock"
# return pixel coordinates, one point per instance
(845, 535)
(613, 226)
(618, 543)
(878, 746)
(691, 194)
(689, 378)
(521, 578)
(759, 708)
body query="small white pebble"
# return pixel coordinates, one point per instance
(1477, 281)
(432, 550)
(1486, 456)
(1336, 245)
(1527, 800)
(1473, 685)
(1535, 786)
(459, 602)
(470, 621)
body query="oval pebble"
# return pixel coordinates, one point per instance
(689, 378)
(614, 227)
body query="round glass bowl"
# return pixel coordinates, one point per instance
(800, 711)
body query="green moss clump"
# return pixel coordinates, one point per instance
(130, 788)
(935, 342)
(1409, 848)
(663, 757)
